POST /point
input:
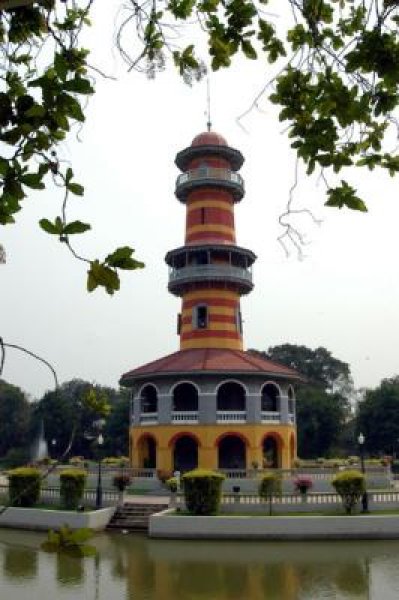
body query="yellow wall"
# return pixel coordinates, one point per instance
(207, 436)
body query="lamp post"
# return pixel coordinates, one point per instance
(365, 500)
(53, 446)
(99, 490)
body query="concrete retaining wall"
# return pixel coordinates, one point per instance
(165, 525)
(43, 519)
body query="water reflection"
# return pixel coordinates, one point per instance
(70, 570)
(132, 567)
(19, 563)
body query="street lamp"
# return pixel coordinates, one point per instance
(365, 500)
(53, 445)
(99, 490)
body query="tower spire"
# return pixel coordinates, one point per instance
(208, 104)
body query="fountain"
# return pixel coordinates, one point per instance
(40, 448)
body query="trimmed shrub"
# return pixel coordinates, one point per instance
(270, 485)
(202, 491)
(350, 485)
(171, 484)
(24, 486)
(72, 485)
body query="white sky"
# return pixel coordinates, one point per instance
(344, 295)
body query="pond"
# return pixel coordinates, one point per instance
(132, 567)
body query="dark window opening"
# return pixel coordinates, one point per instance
(201, 317)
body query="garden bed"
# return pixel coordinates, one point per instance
(42, 519)
(292, 527)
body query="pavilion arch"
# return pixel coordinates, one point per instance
(148, 396)
(272, 450)
(184, 451)
(270, 397)
(147, 451)
(185, 397)
(232, 450)
(231, 396)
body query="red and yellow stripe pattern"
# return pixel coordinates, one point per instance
(222, 328)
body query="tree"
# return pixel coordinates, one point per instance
(336, 83)
(323, 407)
(116, 430)
(378, 417)
(71, 410)
(318, 366)
(14, 418)
(321, 417)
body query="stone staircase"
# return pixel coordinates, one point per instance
(134, 516)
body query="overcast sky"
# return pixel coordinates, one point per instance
(344, 295)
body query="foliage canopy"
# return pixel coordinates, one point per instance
(335, 83)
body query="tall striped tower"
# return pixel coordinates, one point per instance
(211, 404)
(210, 272)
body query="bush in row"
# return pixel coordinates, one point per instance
(350, 485)
(202, 491)
(72, 487)
(24, 486)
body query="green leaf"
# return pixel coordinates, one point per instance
(122, 259)
(49, 227)
(79, 86)
(36, 111)
(101, 275)
(76, 189)
(33, 180)
(68, 175)
(76, 227)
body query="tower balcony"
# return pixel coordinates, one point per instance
(180, 278)
(209, 176)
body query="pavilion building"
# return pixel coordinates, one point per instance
(211, 404)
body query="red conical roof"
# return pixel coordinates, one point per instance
(209, 138)
(211, 360)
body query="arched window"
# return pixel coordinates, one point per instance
(231, 452)
(147, 452)
(185, 454)
(149, 399)
(271, 450)
(231, 396)
(185, 397)
(270, 398)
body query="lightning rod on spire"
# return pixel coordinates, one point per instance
(208, 101)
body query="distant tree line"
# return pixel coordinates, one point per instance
(65, 414)
(329, 418)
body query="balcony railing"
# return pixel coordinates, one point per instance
(215, 272)
(270, 416)
(185, 416)
(231, 416)
(211, 175)
(149, 418)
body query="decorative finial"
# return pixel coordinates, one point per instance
(208, 98)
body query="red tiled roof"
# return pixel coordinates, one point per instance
(210, 360)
